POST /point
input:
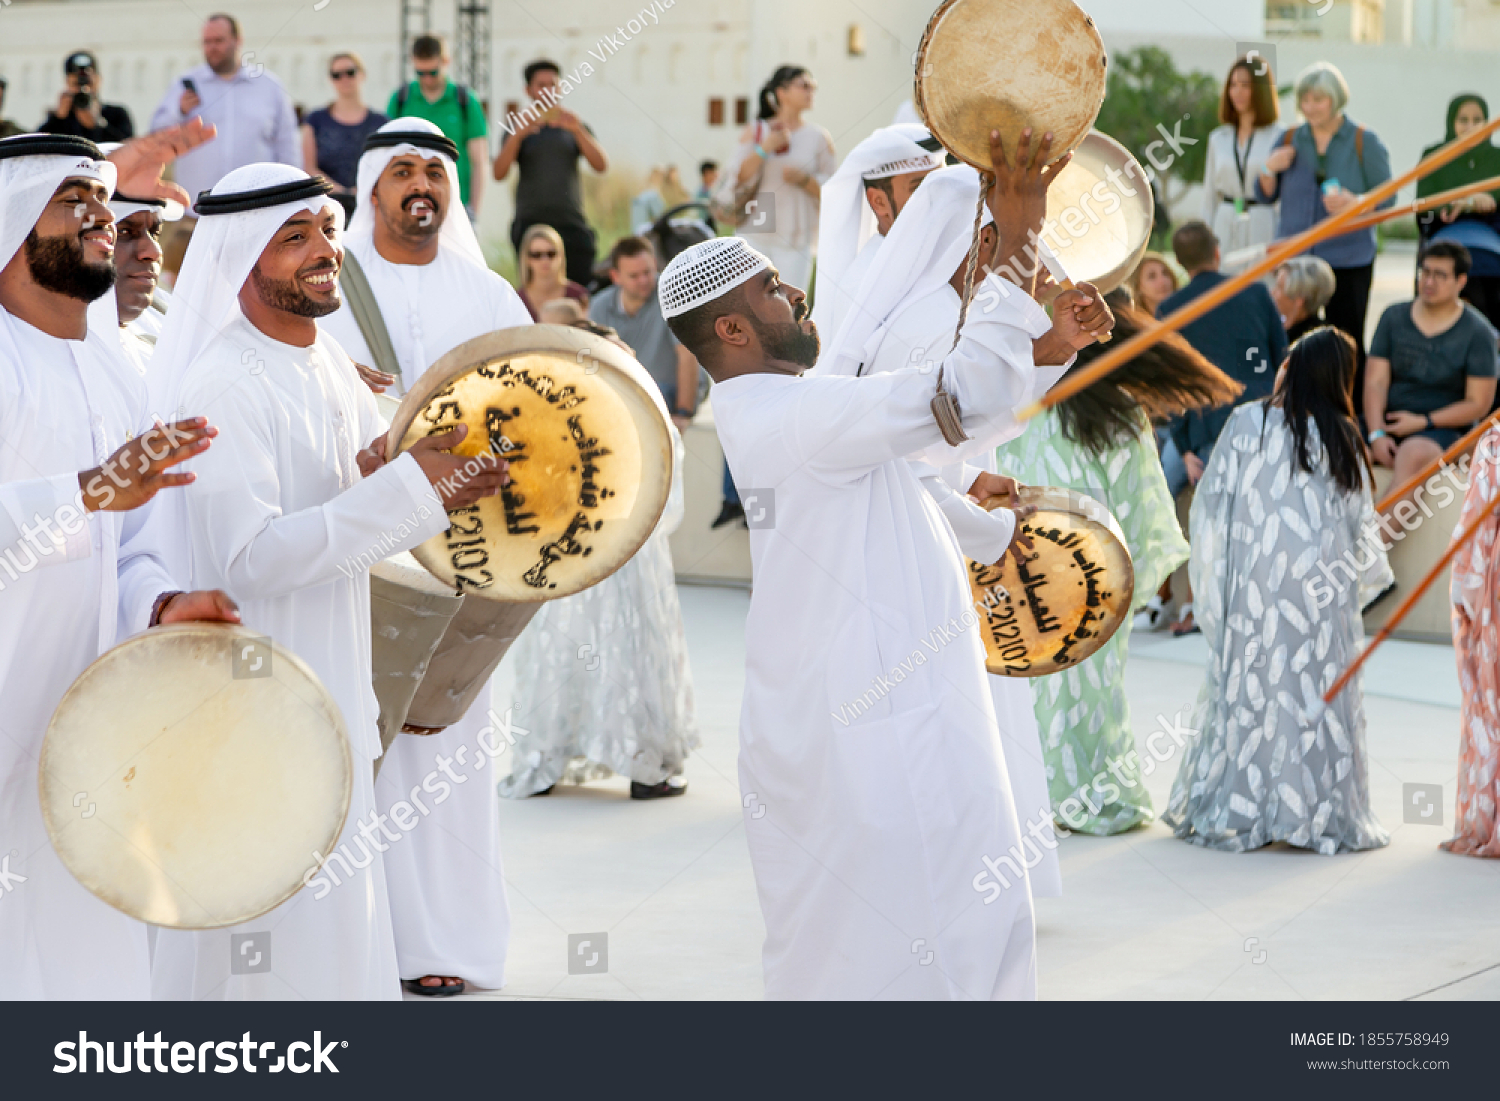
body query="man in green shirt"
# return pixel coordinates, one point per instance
(453, 108)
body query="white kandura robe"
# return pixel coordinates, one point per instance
(868, 822)
(65, 407)
(843, 298)
(279, 518)
(919, 334)
(446, 878)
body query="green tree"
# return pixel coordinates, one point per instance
(1146, 95)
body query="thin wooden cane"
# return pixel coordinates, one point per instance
(1410, 602)
(1336, 226)
(1464, 443)
(1422, 206)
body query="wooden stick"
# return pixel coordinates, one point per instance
(1433, 467)
(1421, 206)
(1331, 227)
(1410, 602)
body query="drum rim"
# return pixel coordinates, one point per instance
(538, 339)
(1071, 501)
(920, 103)
(1117, 275)
(230, 630)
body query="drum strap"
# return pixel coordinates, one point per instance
(367, 316)
(945, 408)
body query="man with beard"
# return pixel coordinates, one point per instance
(873, 778)
(431, 292)
(282, 514)
(78, 571)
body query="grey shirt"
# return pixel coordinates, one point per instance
(648, 336)
(1430, 372)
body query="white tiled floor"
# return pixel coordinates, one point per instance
(1143, 915)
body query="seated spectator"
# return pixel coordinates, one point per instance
(649, 205)
(630, 307)
(1243, 337)
(334, 136)
(80, 112)
(1304, 285)
(708, 179)
(1432, 365)
(672, 191)
(562, 311)
(543, 266)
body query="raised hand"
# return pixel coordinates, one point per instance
(136, 472)
(459, 480)
(141, 161)
(378, 381)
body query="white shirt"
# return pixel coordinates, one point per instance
(65, 407)
(1226, 179)
(869, 759)
(427, 308)
(842, 298)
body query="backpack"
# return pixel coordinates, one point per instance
(460, 93)
(1359, 142)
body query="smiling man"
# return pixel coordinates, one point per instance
(279, 517)
(78, 568)
(430, 291)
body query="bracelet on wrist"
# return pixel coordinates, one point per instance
(160, 606)
(761, 150)
(1377, 434)
(1429, 421)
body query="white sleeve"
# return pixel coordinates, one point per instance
(844, 426)
(142, 569)
(240, 531)
(1210, 186)
(58, 499)
(982, 536)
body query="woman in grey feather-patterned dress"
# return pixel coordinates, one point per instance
(1285, 553)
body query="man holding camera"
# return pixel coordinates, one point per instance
(80, 112)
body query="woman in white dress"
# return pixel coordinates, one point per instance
(602, 682)
(1237, 153)
(794, 159)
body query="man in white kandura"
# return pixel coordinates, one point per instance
(872, 775)
(860, 203)
(909, 307)
(78, 569)
(280, 517)
(431, 292)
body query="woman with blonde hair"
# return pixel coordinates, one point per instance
(1237, 153)
(1152, 282)
(333, 137)
(542, 271)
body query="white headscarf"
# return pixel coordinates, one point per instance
(104, 312)
(920, 254)
(845, 221)
(457, 233)
(220, 256)
(26, 184)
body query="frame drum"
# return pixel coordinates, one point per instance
(189, 774)
(1009, 64)
(1098, 221)
(1065, 597)
(586, 434)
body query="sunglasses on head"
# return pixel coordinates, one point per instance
(340, 74)
(550, 254)
(428, 72)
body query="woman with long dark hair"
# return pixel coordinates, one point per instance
(792, 160)
(1237, 153)
(1286, 553)
(1100, 443)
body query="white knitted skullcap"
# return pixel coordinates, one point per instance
(706, 271)
(925, 163)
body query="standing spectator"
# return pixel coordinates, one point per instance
(334, 136)
(1473, 222)
(81, 112)
(546, 152)
(1243, 337)
(1323, 167)
(452, 108)
(1303, 287)
(1237, 153)
(792, 159)
(247, 104)
(544, 272)
(8, 127)
(630, 307)
(1431, 372)
(708, 180)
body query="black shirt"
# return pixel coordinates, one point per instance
(549, 191)
(340, 144)
(112, 123)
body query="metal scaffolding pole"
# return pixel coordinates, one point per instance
(471, 48)
(416, 19)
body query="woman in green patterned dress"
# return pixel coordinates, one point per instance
(1100, 443)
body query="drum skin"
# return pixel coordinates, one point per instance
(189, 774)
(1009, 64)
(586, 435)
(1099, 223)
(1068, 595)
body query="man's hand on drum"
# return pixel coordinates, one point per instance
(1020, 542)
(1018, 197)
(201, 604)
(460, 480)
(133, 474)
(1081, 316)
(371, 458)
(988, 485)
